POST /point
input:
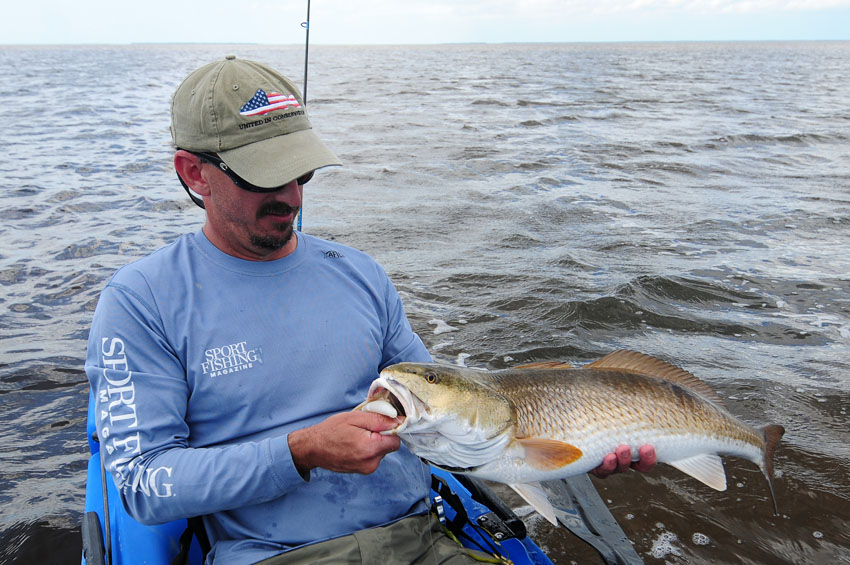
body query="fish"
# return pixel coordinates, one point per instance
(547, 421)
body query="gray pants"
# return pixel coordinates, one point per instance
(417, 540)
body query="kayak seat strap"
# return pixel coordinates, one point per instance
(194, 529)
(442, 488)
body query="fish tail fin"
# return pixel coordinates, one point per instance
(772, 434)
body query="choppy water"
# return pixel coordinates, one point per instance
(691, 201)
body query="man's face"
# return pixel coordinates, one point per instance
(250, 225)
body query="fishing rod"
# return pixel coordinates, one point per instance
(306, 26)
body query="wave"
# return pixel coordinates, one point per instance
(800, 139)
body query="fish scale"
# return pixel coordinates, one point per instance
(591, 400)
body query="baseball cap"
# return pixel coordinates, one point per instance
(252, 117)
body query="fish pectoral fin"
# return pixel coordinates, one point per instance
(549, 454)
(534, 494)
(706, 468)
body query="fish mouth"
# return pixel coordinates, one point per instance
(381, 393)
(409, 409)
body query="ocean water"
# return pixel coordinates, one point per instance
(531, 202)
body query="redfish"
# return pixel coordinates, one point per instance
(549, 421)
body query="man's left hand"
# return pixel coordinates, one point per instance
(621, 460)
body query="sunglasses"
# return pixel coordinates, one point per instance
(242, 183)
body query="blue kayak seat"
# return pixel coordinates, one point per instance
(128, 542)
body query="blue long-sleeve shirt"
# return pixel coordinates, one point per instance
(202, 363)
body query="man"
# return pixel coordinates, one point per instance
(225, 365)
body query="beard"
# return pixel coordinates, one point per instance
(275, 241)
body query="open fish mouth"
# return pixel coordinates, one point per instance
(394, 400)
(382, 394)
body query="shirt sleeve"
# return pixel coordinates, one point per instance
(401, 343)
(141, 396)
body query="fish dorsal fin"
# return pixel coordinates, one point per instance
(534, 494)
(634, 362)
(546, 365)
(706, 468)
(549, 454)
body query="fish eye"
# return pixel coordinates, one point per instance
(432, 377)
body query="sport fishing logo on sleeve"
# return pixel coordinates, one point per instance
(118, 425)
(230, 358)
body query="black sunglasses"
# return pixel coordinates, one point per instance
(242, 183)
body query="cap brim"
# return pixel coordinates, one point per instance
(278, 160)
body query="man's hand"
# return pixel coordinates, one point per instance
(348, 442)
(621, 460)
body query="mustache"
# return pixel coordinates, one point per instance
(276, 209)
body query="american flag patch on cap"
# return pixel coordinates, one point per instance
(263, 103)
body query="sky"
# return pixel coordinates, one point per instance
(347, 22)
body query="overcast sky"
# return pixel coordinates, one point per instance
(420, 21)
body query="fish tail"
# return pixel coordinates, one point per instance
(772, 434)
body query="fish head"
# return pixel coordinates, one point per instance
(448, 415)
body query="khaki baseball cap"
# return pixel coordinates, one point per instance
(252, 117)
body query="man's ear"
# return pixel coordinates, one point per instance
(188, 166)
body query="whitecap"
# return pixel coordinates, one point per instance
(664, 546)
(441, 326)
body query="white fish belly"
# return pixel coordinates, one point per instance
(513, 466)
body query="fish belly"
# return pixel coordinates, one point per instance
(514, 466)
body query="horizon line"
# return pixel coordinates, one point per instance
(301, 44)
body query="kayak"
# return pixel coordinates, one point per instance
(467, 507)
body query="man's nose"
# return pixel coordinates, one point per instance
(289, 193)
